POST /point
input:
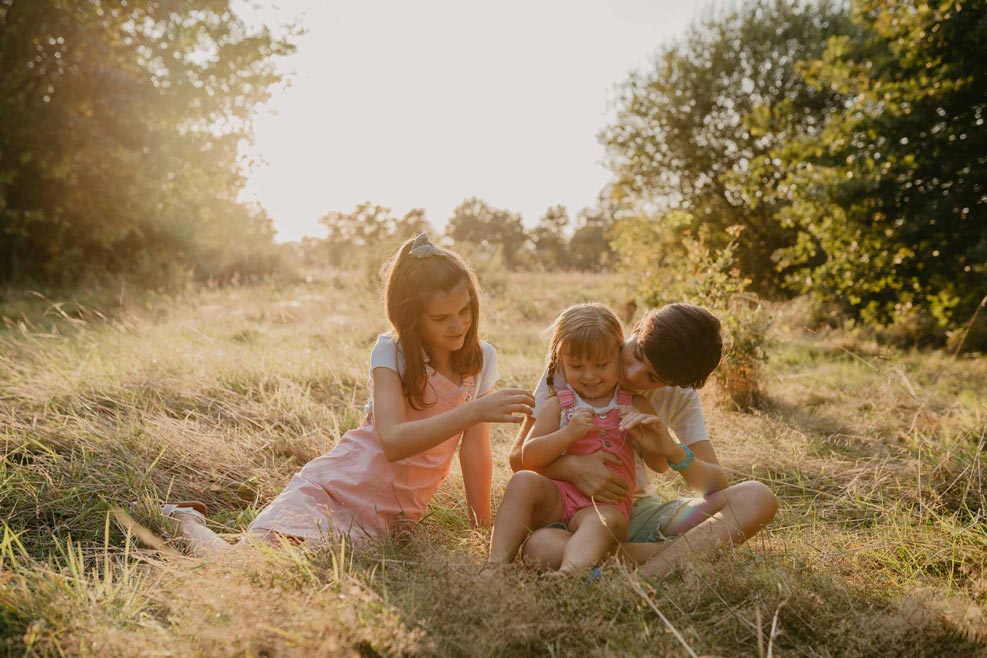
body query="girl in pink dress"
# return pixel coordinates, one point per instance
(432, 379)
(581, 419)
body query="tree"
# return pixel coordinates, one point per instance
(549, 239)
(119, 129)
(413, 223)
(888, 197)
(368, 225)
(683, 133)
(589, 247)
(476, 222)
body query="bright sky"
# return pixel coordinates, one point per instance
(422, 104)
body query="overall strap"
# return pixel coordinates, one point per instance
(567, 398)
(468, 386)
(624, 397)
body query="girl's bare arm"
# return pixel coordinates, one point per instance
(401, 438)
(476, 460)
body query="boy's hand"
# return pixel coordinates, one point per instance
(594, 479)
(632, 419)
(580, 423)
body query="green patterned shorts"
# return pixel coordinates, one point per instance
(649, 515)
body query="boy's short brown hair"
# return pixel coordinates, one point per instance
(682, 342)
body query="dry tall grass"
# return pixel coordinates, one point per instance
(879, 547)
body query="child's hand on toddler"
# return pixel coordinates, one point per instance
(632, 420)
(580, 423)
(503, 406)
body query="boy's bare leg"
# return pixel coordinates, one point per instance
(596, 532)
(530, 501)
(734, 514)
(731, 516)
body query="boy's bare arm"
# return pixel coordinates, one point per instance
(660, 449)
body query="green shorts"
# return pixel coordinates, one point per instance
(648, 516)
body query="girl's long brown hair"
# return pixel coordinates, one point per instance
(410, 283)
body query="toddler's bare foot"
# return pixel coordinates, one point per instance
(492, 570)
(552, 574)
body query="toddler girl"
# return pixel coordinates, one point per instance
(580, 419)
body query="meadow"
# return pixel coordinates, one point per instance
(220, 394)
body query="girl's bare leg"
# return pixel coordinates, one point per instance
(530, 501)
(596, 532)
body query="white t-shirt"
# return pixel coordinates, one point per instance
(678, 408)
(387, 354)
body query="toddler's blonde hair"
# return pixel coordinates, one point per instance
(584, 331)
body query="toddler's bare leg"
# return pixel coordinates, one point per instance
(596, 532)
(530, 501)
(544, 548)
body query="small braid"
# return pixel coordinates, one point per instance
(553, 364)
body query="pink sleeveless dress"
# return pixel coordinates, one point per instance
(604, 436)
(354, 491)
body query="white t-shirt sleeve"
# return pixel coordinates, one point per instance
(680, 410)
(386, 355)
(488, 373)
(541, 389)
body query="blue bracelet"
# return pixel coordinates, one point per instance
(684, 464)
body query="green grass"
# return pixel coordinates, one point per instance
(879, 547)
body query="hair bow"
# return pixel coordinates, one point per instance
(422, 247)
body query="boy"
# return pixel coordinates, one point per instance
(670, 353)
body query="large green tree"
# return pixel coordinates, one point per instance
(685, 138)
(890, 196)
(119, 129)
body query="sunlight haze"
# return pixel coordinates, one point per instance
(424, 104)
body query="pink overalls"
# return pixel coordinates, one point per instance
(603, 436)
(353, 489)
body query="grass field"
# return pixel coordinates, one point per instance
(879, 547)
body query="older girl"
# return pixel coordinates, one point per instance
(432, 381)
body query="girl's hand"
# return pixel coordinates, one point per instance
(503, 406)
(580, 423)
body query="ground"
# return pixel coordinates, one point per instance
(220, 394)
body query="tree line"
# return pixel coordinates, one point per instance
(836, 149)
(556, 242)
